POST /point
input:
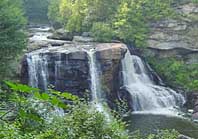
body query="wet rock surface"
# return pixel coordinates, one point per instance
(110, 70)
(66, 63)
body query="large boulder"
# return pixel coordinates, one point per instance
(40, 37)
(109, 56)
(83, 39)
(62, 34)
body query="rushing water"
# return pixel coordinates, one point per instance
(146, 95)
(96, 90)
(38, 71)
(95, 83)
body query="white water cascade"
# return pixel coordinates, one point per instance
(38, 76)
(38, 71)
(146, 95)
(95, 81)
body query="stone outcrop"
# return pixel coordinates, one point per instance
(176, 37)
(39, 38)
(67, 69)
(68, 64)
(110, 67)
(61, 34)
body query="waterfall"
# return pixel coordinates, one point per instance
(97, 99)
(58, 64)
(95, 81)
(146, 95)
(38, 75)
(38, 71)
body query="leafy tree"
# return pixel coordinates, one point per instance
(102, 32)
(132, 20)
(127, 20)
(81, 120)
(12, 37)
(176, 72)
(36, 10)
(53, 12)
(129, 23)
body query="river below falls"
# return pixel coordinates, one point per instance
(149, 123)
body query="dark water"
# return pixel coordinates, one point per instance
(147, 123)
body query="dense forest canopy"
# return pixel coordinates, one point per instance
(127, 20)
(12, 36)
(36, 10)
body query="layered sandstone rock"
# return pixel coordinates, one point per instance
(176, 37)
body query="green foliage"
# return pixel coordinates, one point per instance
(133, 18)
(195, 1)
(12, 37)
(25, 104)
(24, 117)
(81, 121)
(53, 11)
(165, 134)
(177, 72)
(129, 24)
(102, 32)
(85, 123)
(127, 20)
(73, 14)
(36, 10)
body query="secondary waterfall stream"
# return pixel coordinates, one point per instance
(96, 90)
(146, 95)
(38, 71)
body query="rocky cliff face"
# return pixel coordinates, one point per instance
(177, 38)
(67, 69)
(110, 66)
(64, 65)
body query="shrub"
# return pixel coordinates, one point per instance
(126, 20)
(177, 72)
(29, 119)
(102, 32)
(165, 134)
(12, 37)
